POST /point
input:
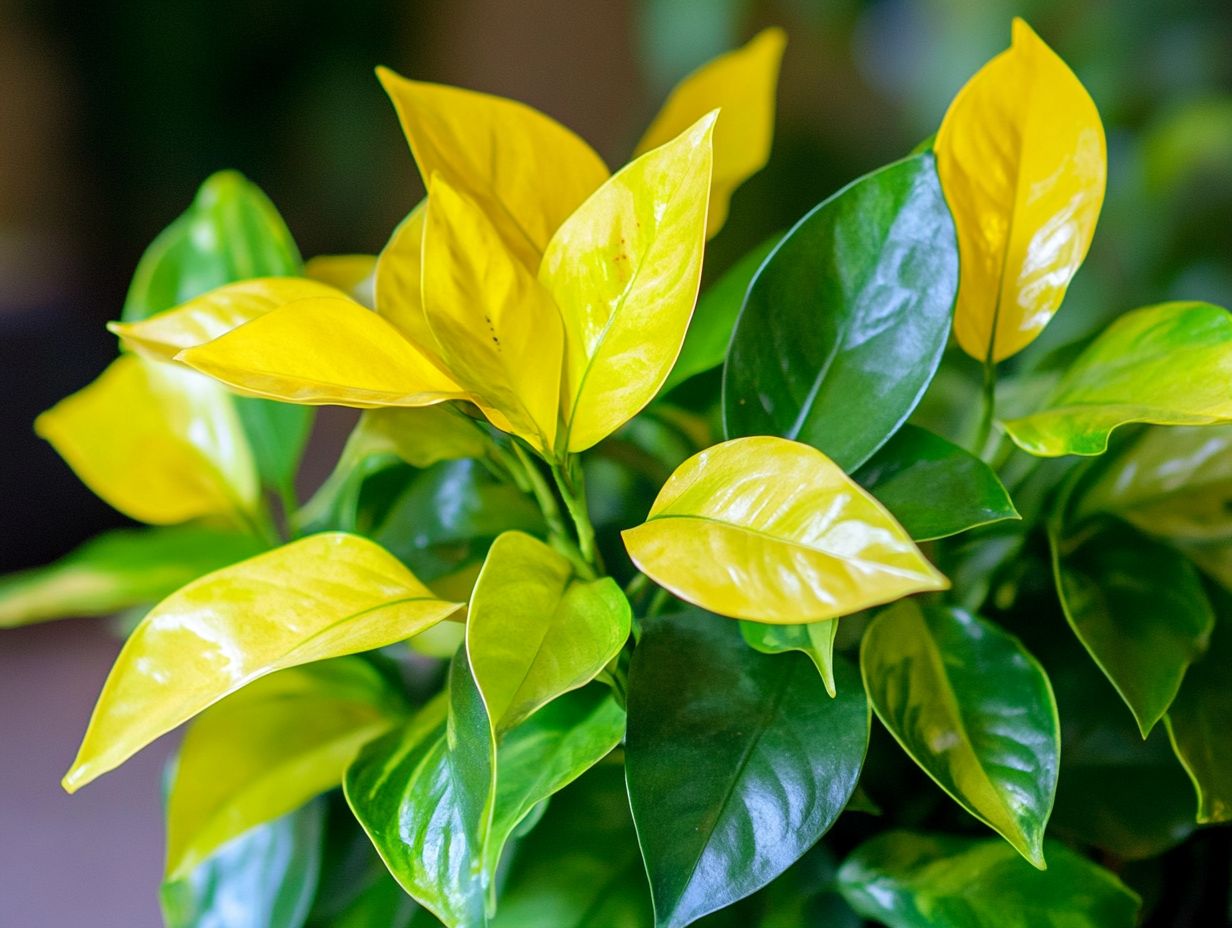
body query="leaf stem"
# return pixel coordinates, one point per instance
(988, 406)
(572, 486)
(558, 534)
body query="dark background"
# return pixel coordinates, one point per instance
(112, 111)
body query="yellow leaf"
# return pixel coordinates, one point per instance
(773, 531)
(498, 330)
(1022, 161)
(214, 314)
(159, 443)
(523, 169)
(624, 270)
(354, 275)
(399, 291)
(741, 84)
(324, 596)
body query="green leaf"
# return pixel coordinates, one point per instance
(1167, 364)
(119, 570)
(973, 709)
(807, 895)
(265, 878)
(910, 880)
(845, 323)
(535, 632)
(933, 487)
(277, 434)
(1139, 609)
(710, 331)
(737, 762)
(816, 639)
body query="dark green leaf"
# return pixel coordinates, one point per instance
(808, 895)
(845, 323)
(277, 434)
(816, 639)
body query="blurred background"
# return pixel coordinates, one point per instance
(113, 111)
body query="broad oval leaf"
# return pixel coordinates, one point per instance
(161, 444)
(399, 283)
(742, 85)
(911, 880)
(624, 270)
(974, 709)
(354, 275)
(816, 639)
(773, 531)
(534, 631)
(1023, 162)
(844, 325)
(735, 768)
(1167, 364)
(324, 596)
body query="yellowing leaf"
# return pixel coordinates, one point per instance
(772, 530)
(161, 444)
(742, 85)
(524, 170)
(354, 275)
(323, 596)
(624, 270)
(214, 314)
(1022, 161)
(497, 328)
(399, 292)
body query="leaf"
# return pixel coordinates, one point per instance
(535, 632)
(1167, 364)
(495, 326)
(354, 275)
(771, 530)
(267, 749)
(323, 596)
(974, 709)
(399, 279)
(1139, 609)
(742, 84)
(265, 878)
(844, 325)
(1023, 162)
(624, 270)
(118, 570)
(736, 767)
(815, 639)
(524, 170)
(933, 487)
(911, 880)
(161, 445)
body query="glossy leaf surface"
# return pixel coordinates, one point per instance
(354, 275)
(844, 325)
(742, 84)
(1167, 364)
(736, 768)
(974, 710)
(624, 270)
(909, 880)
(771, 530)
(323, 596)
(933, 487)
(399, 283)
(815, 639)
(1023, 162)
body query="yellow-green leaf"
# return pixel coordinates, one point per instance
(624, 270)
(772, 530)
(159, 443)
(497, 328)
(523, 169)
(323, 596)
(742, 84)
(399, 291)
(354, 275)
(1023, 163)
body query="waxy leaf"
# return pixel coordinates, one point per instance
(1138, 607)
(845, 323)
(160, 444)
(624, 270)
(264, 751)
(1167, 364)
(974, 710)
(909, 880)
(118, 570)
(354, 275)
(534, 631)
(736, 767)
(323, 596)
(399, 284)
(742, 83)
(933, 487)
(816, 639)
(773, 531)
(524, 170)
(1023, 163)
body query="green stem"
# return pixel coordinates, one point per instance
(573, 492)
(988, 407)
(558, 534)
